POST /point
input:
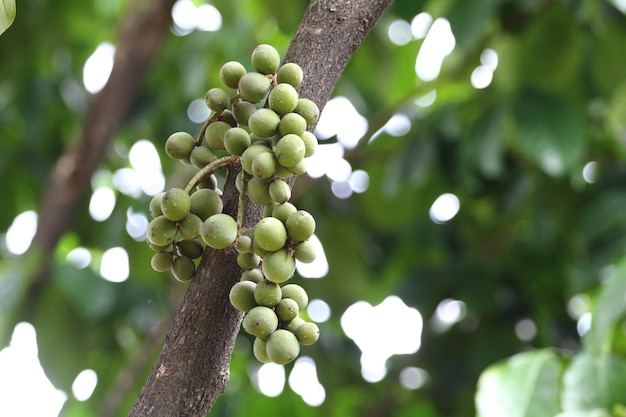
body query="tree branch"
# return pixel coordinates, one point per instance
(193, 368)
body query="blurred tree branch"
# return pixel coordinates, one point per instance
(193, 368)
(140, 37)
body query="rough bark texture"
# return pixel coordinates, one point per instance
(193, 368)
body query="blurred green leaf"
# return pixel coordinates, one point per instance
(600, 412)
(7, 14)
(594, 381)
(526, 384)
(550, 131)
(610, 306)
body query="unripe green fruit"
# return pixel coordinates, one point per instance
(264, 165)
(264, 123)
(292, 123)
(242, 295)
(308, 333)
(155, 204)
(189, 227)
(282, 347)
(179, 145)
(258, 191)
(248, 260)
(297, 293)
(279, 266)
(214, 134)
(201, 156)
(244, 244)
(283, 98)
(267, 293)
(242, 112)
(228, 117)
(253, 86)
(161, 261)
(293, 325)
(258, 250)
(161, 231)
(305, 252)
(231, 72)
(282, 172)
(158, 248)
(183, 268)
(299, 168)
(287, 309)
(259, 350)
(208, 182)
(289, 150)
(205, 203)
(269, 208)
(249, 154)
(190, 247)
(175, 204)
(254, 275)
(300, 226)
(219, 231)
(280, 191)
(260, 321)
(265, 59)
(270, 234)
(309, 110)
(290, 73)
(310, 143)
(282, 211)
(236, 140)
(217, 99)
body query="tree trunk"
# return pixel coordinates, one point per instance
(193, 368)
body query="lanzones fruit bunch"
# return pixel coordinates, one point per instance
(262, 124)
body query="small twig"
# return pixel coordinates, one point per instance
(209, 169)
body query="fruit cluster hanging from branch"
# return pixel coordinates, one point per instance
(263, 126)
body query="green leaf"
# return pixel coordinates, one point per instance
(526, 384)
(594, 381)
(550, 131)
(610, 306)
(7, 14)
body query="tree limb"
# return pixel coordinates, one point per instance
(193, 368)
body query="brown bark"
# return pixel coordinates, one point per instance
(193, 368)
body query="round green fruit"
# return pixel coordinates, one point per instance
(201, 156)
(161, 231)
(310, 143)
(305, 252)
(242, 296)
(190, 247)
(205, 203)
(309, 110)
(254, 275)
(253, 87)
(155, 204)
(214, 134)
(267, 293)
(279, 191)
(217, 99)
(278, 266)
(242, 112)
(248, 260)
(231, 72)
(189, 227)
(259, 191)
(260, 321)
(161, 261)
(287, 309)
(264, 123)
(297, 293)
(236, 140)
(300, 226)
(308, 333)
(259, 350)
(289, 150)
(283, 98)
(282, 211)
(282, 347)
(183, 268)
(265, 59)
(292, 123)
(175, 204)
(219, 231)
(270, 234)
(179, 145)
(290, 73)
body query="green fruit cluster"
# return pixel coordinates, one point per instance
(263, 125)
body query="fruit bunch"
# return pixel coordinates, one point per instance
(262, 125)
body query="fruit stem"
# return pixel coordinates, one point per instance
(214, 117)
(209, 169)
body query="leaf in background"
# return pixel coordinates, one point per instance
(600, 412)
(550, 131)
(609, 307)
(594, 381)
(7, 14)
(525, 385)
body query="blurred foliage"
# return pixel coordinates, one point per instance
(531, 233)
